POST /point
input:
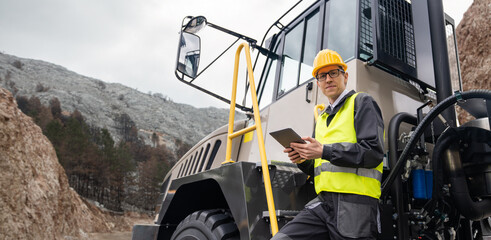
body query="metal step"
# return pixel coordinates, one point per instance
(282, 213)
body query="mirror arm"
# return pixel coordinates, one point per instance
(224, 51)
(266, 52)
(251, 41)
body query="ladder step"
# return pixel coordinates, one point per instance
(282, 213)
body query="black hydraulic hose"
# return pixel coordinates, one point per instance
(397, 191)
(440, 107)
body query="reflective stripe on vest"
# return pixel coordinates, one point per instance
(331, 178)
(363, 172)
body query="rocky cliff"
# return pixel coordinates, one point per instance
(36, 201)
(474, 44)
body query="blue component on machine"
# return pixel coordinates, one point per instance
(429, 183)
(422, 183)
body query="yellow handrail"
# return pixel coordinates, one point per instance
(256, 126)
(317, 108)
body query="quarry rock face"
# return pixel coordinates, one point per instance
(36, 201)
(474, 42)
(474, 45)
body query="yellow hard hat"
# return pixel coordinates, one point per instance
(327, 57)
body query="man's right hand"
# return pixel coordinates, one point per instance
(293, 155)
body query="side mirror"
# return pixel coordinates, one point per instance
(194, 24)
(188, 54)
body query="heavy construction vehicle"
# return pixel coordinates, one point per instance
(237, 183)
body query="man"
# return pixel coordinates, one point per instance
(345, 159)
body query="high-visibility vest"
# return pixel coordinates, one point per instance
(331, 178)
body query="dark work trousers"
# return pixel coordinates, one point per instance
(334, 216)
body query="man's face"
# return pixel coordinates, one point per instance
(332, 87)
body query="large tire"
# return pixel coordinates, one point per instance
(216, 224)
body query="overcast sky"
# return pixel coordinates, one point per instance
(133, 42)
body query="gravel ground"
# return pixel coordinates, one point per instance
(111, 236)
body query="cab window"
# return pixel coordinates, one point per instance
(310, 48)
(341, 17)
(266, 90)
(300, 47)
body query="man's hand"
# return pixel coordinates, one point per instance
(310, 150)
(293, 155)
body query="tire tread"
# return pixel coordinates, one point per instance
(219, 223)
